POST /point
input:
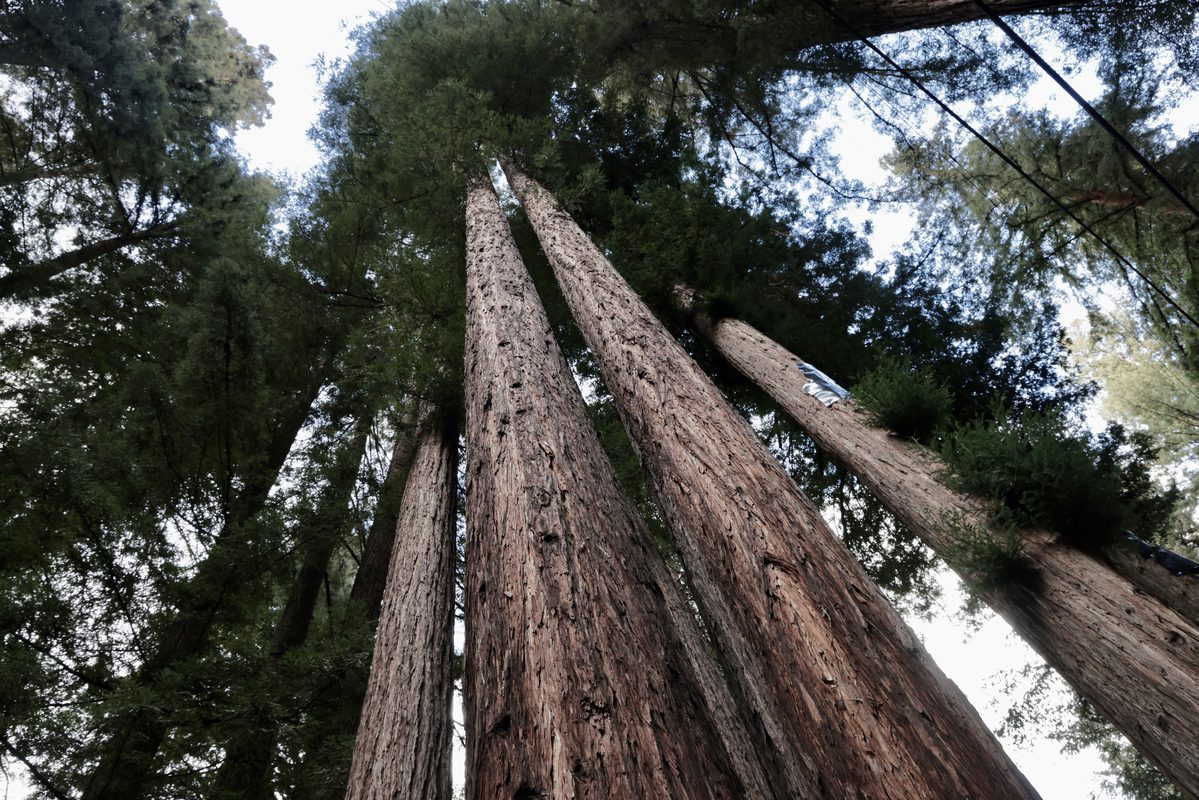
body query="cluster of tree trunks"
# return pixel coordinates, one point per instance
(1134, 659)
(579, 665)
(583, 659)
(837, 692)
(586, 670)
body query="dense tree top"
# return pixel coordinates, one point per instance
(176, 321)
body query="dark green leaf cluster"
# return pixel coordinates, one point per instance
(990, 563)
(910, 403)
(1089, 489)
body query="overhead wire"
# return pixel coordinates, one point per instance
(1101, 120)
(994, 148)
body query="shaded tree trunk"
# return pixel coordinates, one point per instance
(699, 40)
(246, 771)
(345, 689)
(838, 688)
(35, 172)
(404, 737)
(879, 17)
(30, 278)
(370, 579)
(126, 755)
(1178, 592)
(579, 682)
(1136, 661)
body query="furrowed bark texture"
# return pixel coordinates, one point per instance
(402, 749)
(1135, 660)
(577, 683)
(346, 689)
(1179, 592)
(843, 693)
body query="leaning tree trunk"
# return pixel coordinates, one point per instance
(126, 757)
(23, 280)
(842, 691)
(247, 770)
(404, 736)
(879, 17)
(698, 40)
(1179, 592)
(579, 681)
(1135, 660)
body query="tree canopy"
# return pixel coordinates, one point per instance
(203, 370)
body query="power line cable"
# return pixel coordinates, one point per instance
(994, 148)
(1086, 106)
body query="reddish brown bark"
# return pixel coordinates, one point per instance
(402, 748)
(1178, 592)
(579, 680)
(1135, 660)
(843, 692)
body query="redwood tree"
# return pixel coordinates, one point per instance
(1134, 659)
(403, 744)
(580, 679)
(370, 579)
(840, 691)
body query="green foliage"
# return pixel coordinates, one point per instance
(174, 406)
(1088, 489)
(1049, 709)
(910, 403)
(114, 135)
(989, 563)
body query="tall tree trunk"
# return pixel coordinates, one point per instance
(346, 688)
(841, 689)
(1136, 661)
(246, 772)
(126, 755)
(578, 681)
(404, 737)
(371, 578)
